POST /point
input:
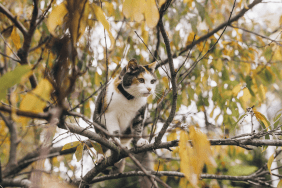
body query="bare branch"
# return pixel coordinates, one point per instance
(15, 183)
(3, 54)
(13, 18)
(212, 32)
(24, 50)
(25, 113)
(173, 82)
(13, 141)
(257, 34)
(171, 173)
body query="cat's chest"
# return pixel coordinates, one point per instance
(124, 109)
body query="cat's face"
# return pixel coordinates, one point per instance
(138, 80)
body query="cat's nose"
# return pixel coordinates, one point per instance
(149, 89)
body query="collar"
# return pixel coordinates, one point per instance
(125, 93)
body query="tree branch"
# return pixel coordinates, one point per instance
(57, 151)
(13, 141)
(45, 116)
(13, 18)
(15, 183)
(257, 34)
(173, 78)
(24, 50)
(172, 173)
(212, 32)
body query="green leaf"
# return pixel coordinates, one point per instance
(240, 170)
(70, 145)
(97, 147)
(79, 151)
(225, 74)
(201, 10)
(270, 161)
(193, 22)
(12, 78)
(277, 119)
(215, 94)
(249, 83)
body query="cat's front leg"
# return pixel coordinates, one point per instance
(112, 125)
(141, 142)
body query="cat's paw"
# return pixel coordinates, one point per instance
(141, 142)
(115, 140)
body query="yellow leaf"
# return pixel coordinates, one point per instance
(188, 160)
(151, 13)
(172, 136)
(134, 9)
(246, 68)
(78, 152)
(97, 147)
(261, 117)
(70, 145)
(280, 20)
(97, 79)
(161, 2)
(261, 92)
(16, 38)
(35, 101)
(145, 33)
(165, 81)
(56, 18)
(246, 97)
(184, 98)
(236, 90)
(269, 163)
(190, 38)
(102, 19)
(77, 18)
(192, 159)
(279, 185)
(150, 99)
(218, 65)
(189, 2)
(109, 7)
(202, 146)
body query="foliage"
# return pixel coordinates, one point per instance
(218, 67)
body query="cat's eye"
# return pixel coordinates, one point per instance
(141, 80)
(153, 81)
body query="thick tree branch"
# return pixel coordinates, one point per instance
(24, 50)
(56, 151)
(212, 32)
(15, 183)
(13, 18)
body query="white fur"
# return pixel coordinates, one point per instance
(120, 111)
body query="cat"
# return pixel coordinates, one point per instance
(122, 105)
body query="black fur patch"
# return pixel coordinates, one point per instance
(127, 78)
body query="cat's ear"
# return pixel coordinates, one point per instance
(131, 66)
(152, 66)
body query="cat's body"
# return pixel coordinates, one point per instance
(121, 106)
